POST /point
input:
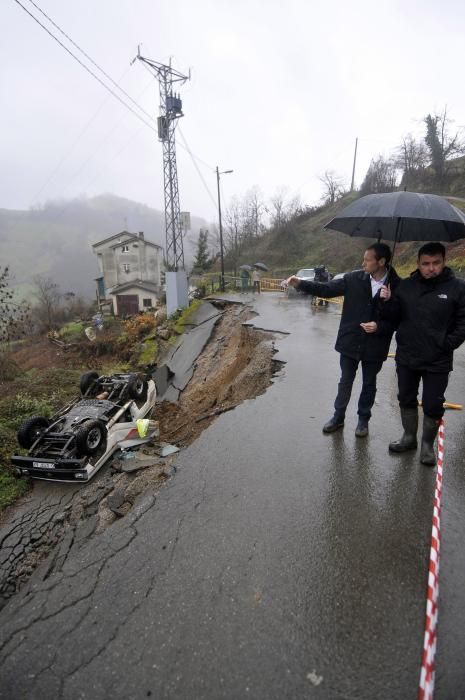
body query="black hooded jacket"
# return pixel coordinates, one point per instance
(429, 315)
(359, 307)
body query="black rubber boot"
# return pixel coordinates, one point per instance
(430, 430)
(408, 441)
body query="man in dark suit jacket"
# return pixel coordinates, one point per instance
(363, 336)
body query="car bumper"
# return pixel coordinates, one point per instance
(72, 470)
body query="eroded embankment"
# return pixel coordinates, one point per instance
(38, 534)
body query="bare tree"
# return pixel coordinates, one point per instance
(333, 185)
(411, 156)
(283, 209)
(235, 220)
(381, 176)
(440, 143)
(48, 296)
(254, 210)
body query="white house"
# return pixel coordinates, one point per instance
(131, 272)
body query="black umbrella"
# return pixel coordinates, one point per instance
(401, 216)
(248, 268)
(261, 266)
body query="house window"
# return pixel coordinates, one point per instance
(125, 249)
(126, 268)
(146, 303)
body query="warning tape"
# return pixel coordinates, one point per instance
(426, 685)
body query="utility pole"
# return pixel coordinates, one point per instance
(353, 168)
(170, 112)
(218, 173)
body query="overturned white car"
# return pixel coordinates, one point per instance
(79, 439)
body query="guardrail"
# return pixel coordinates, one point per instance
(268, 284)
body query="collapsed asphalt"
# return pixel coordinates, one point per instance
(278, 562)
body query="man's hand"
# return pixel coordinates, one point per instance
(385, 292)
(292, 281)
(370, 327)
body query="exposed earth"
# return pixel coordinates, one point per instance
(37, 534)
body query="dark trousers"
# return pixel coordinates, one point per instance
(367, 396)
(434, 388)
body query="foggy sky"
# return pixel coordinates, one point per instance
(279, 92)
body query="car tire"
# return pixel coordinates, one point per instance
(87, 380)
(30, 430)
(137, 386)
(90, 437)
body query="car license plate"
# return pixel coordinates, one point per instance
(43, 465)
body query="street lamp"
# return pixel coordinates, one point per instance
(218, 173)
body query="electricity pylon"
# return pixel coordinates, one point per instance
(170, 112)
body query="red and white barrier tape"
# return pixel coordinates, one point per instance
(426, 686)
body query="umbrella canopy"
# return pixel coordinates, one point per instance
(261, 266)
(247, 268)
(401, 216)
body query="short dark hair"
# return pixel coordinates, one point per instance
(381, 250)
(432, 249)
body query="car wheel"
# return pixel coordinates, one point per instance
(137, 386)
(30, 430)
(87, 380)
(90, 437)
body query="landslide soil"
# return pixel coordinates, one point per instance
(235, 365)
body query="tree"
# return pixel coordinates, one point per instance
(13, 315)
(411, 156)
(282, 210)
(381, 176)
(48, 296)
(234, 232)
(441, 145)
(202, 260)
(333, 185)
(254, 208)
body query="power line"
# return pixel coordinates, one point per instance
(89, 58)
(87, 68)
(95, 150)
(197, 169)
(83, 65)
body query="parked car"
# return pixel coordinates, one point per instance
(306, 273)
(80, 438)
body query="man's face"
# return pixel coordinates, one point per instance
(430, 265)
(370, 264)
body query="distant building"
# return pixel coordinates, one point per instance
(131, 273)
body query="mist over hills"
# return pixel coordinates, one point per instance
(56, 238)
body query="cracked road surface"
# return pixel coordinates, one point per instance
(277, 563)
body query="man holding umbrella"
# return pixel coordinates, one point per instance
(363, 336)
(430, 306)
(428, 309)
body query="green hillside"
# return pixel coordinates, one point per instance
(55, 240)
(305, 243)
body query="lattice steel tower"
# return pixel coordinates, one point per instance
(170, 112)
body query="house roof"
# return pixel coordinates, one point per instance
(147, 286)
(127, 237)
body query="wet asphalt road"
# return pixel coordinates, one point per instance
(278, 563)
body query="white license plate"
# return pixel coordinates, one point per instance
(43, 465)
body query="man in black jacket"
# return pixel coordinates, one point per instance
(428, 309)
(363, 336)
